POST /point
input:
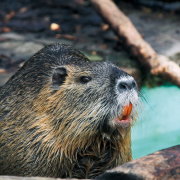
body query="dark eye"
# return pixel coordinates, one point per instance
(85, 79)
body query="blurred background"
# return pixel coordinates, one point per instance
(28, 25)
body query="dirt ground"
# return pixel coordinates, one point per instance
(26, 26)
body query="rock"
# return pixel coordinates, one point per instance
(12, 36)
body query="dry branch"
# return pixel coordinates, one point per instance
(120, 23)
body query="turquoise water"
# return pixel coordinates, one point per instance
(158, 125)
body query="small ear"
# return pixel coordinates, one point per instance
(58, 77)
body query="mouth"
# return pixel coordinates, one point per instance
(124, 119)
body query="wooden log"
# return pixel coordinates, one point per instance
(164, 164)
(121, 24)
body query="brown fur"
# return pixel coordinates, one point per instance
(58, 133)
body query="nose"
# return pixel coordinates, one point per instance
(126, 84)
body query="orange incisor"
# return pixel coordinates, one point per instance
(127, 111)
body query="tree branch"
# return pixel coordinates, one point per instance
(146, 55)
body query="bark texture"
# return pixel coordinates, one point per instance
(164, 164)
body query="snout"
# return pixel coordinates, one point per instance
(127, 99)
(126, 83)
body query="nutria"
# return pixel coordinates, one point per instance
(64, 116)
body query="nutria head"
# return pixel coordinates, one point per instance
(93, 95)
(72, 107)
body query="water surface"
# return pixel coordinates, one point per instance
(158, 126)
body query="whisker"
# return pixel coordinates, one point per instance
(143, 98)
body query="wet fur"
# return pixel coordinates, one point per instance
(66, 132)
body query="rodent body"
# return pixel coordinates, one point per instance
(56, 116)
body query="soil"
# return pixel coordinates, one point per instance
(26, 26)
